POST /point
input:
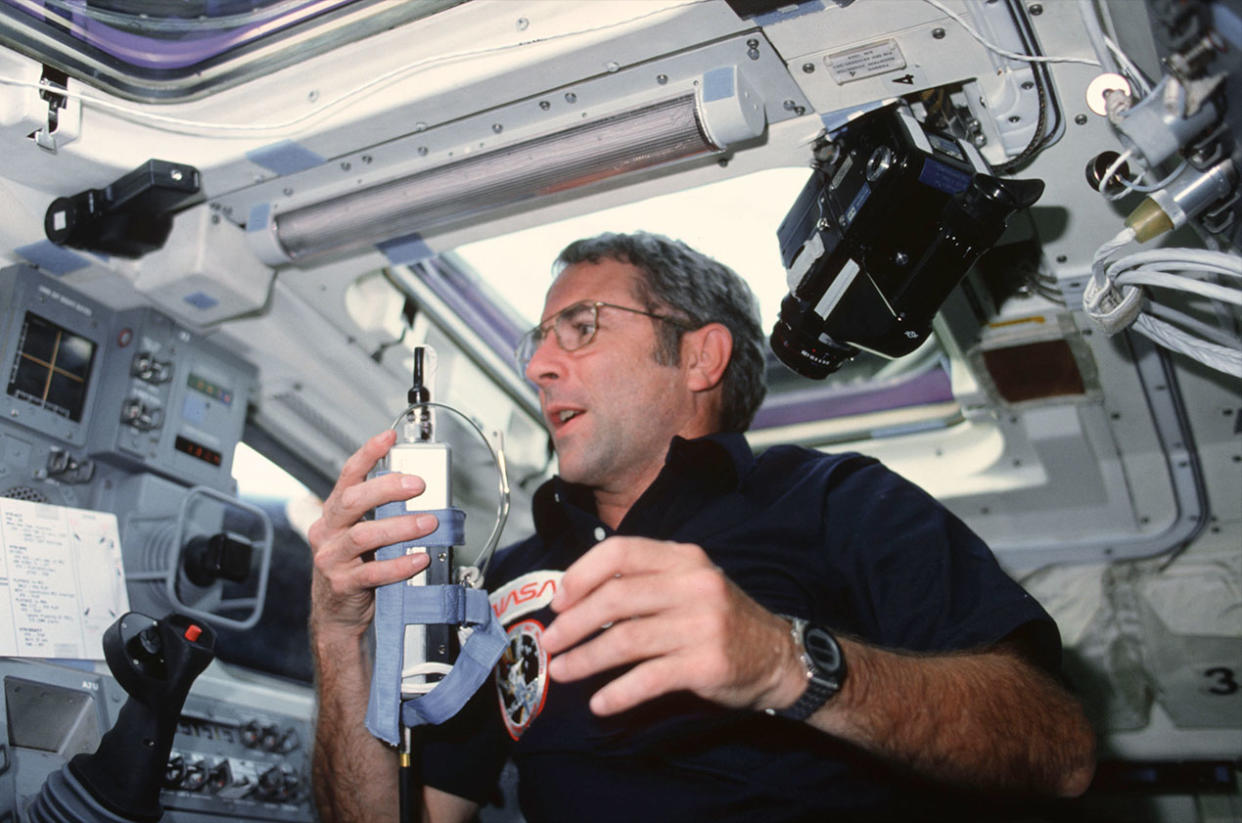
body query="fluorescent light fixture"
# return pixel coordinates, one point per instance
(720, 111)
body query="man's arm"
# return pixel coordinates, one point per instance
(354, 774)
(985, 719)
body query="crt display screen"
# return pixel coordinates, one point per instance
(51, 367)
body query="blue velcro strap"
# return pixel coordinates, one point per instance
(478, 655)
(451, 530)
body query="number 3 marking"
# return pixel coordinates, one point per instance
(1225, 684)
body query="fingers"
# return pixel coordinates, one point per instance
(621, 556)
(629, 596)
(640, 684)
(622, 643)
(354, 495)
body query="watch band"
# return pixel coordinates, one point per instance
(825, 670)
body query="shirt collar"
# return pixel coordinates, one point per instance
(716, 463)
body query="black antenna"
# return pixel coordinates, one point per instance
(420, 394)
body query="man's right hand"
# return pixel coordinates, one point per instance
(343, 584)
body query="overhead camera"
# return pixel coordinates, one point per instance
(889, 223)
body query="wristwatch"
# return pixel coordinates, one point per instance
(825, 668)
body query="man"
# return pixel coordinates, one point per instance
(641, 684)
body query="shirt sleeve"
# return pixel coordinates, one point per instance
(923, 580)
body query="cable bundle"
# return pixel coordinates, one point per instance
(1115, 298)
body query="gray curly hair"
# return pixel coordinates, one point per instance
(699, 290)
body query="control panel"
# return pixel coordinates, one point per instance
(87, 387)
(228, 762)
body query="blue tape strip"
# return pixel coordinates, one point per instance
(285, 157)
(408, 249)
(718, 84)
(257, 221)
(53, 259)
(201, 300)
(780, 15)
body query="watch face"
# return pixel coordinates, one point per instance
(822, 648)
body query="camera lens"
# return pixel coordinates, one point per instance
(798, 341)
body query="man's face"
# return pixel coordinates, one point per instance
(611, 408)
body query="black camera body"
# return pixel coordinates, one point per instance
(880, 235)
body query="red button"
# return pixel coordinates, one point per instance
(193, 632)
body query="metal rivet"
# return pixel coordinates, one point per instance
(366, 158)
(1080, 119)
(422, 151)
(612, 66)
(345, 166)
(938, 33)
(1013, 118)
(1061, 258)
(1035, 9)
(287, 191)
(1027, 85)
(545, 105)
(312, 95)
(570, 97)
(661, 79)
(808, 68)
(420, 126)
(522, 24)
(498, 127)
(752, 43)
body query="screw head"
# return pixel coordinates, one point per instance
(938, 33)
(1035, 9)
(808, 68)
(1080, 119)
(661, 79)
(544, 105)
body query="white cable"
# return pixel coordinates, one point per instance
(1222, 358)
(1225, 262)
(1147, 188)
(1012, 55)
(1095, 33)
(1194, 324)
(184, 126)
(1132, 72)
(1174, 281)
(1112, 169)
(1115, 300)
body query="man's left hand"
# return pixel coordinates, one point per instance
(665, 607)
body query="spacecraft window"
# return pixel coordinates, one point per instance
(734, 221)
(169, 51)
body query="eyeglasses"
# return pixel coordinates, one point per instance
(575, 327)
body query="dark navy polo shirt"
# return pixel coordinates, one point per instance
(837, 539)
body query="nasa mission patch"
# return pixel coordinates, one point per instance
(522, 673)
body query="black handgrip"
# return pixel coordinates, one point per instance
(156, 663)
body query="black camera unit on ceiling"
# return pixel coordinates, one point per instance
(889, 223)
